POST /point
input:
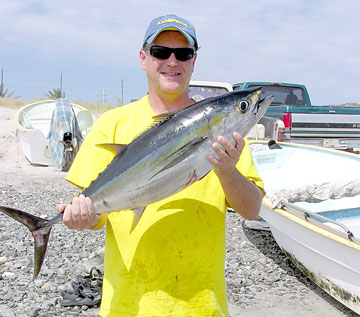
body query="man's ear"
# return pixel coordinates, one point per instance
(142, 59)
(193, 61)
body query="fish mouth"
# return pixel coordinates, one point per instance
(262, 105)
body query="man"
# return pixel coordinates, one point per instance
(172, 262)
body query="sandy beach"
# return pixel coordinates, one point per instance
(25, 181)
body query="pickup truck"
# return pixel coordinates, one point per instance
(327, 126)
(199, 89)
(267, 128)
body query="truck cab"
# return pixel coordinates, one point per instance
(267, 128)
(284, 94)
(199, 90)
(327, 126)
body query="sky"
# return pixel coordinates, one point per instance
(95, 45)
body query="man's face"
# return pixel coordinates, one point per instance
(168, 75)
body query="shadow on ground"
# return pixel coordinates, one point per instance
(266, 244)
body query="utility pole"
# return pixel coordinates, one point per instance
(103, 96)
(61, 94)
(122, 92)
(2, 83)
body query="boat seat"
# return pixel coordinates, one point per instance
(257, 132)
(85, 119)
(25, 121)
(291, 99)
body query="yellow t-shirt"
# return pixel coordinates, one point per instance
(172, 262)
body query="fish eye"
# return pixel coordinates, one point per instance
(243, 105)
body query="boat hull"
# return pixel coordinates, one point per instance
(33, 127)
(328, 259)
(325, 250)
(35, 146)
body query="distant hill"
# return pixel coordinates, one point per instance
(12, 103)
(349, 104)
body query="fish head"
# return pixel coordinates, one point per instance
(245, 109)
(248, 102)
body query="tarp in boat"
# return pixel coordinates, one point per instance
(318, 193)
(65, 136)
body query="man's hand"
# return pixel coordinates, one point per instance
(80, 214)
(241, 194)
(228, 154)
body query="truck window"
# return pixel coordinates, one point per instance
(283, 95)
(199, 93)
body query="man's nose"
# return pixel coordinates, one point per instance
(172, 59)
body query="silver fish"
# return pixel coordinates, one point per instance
(163, 160)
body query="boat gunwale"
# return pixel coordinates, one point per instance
(306, 146)
(313, 225)
(337, 237)
(16, 117)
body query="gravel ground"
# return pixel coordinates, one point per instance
(257, 272)
(261, 281)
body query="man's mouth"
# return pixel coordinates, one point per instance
(171, 74)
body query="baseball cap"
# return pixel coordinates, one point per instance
(170, 22)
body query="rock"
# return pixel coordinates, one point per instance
(46, 287)
(9, 275)
(6, 311)
(60, 272)
(4, 237)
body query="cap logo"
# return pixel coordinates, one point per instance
(172, 20)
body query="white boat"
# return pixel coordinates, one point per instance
(33, 126)
(312, 206)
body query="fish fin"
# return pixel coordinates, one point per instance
(112, 147)
(30, 221)
(40, 229)
(163, 116)
(138, 212)
(41, 239)
(181, 154)
(157, 120)
(204, 176)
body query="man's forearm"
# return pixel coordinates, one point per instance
(241, 194)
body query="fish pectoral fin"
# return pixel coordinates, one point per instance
(112, 147)
(181, 154)
(138, 212)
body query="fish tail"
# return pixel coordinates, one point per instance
(40, 229)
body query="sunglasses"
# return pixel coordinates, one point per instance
(163, 52)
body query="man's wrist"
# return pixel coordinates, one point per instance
(228, 178)
(100, 223)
